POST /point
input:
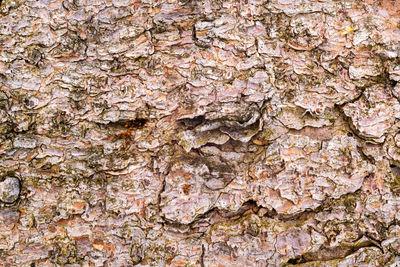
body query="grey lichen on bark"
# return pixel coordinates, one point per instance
(199, 133)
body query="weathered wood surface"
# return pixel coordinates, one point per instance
(199, 133)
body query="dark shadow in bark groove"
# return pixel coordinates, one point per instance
(189, 124)
(331, 253)
(202, 256)
(130, 124)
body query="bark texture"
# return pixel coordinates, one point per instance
(199, 133)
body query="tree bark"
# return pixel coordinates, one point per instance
(199, 133)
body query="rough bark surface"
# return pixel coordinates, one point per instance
(199, 133)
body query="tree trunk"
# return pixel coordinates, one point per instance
(199, 133)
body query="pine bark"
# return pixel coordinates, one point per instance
(199, 133)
